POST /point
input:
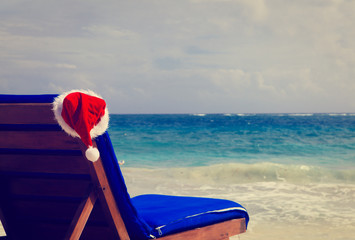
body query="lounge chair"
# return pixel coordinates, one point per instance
(49, 190)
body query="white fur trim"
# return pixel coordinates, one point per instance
(97, 130)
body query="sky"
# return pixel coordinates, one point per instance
(185, 56)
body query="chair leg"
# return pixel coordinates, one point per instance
(81, 216)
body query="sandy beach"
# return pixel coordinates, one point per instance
(2, 232)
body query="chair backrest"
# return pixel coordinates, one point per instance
(44, 176)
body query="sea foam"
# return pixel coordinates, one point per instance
(236, 173)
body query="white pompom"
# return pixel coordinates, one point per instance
(92, 154)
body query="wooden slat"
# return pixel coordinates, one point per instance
(81, 217)
(98, 232)
(44, 164)
(26, 113)
(46, 231)
(37, 140)
(41, 230)
(62, 211)
(219, 231)
(48, 187)
(10, 226)
(46, 210)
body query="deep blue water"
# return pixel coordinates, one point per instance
(153, 140)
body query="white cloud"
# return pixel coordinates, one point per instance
(66, 66)
(231, 80)
(106, 31)
(256, 8)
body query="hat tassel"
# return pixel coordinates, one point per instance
(92, 154)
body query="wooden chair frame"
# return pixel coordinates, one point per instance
(99, 188)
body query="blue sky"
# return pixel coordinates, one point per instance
(186, 56)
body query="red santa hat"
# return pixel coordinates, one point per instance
(82, 114)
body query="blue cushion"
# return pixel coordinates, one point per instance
(172, 214)
(137, 228)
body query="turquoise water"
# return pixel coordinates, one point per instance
(187, 140)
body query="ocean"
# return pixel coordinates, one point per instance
(295, 173)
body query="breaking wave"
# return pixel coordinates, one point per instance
(235, 173)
